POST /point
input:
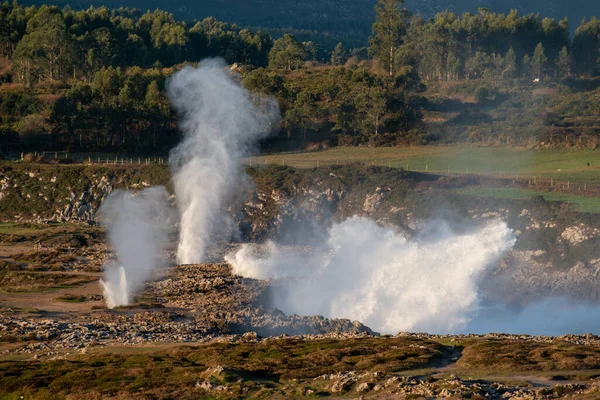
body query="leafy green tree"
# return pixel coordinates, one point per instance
(13, 22)
(311, 49)
(46, 52)
(339, 55)
(477, 65)
(286, 53)
(388, 30)
(586, 46)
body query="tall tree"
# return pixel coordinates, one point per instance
(510, 64)
(564, 63)
(388, 30)
(46, 52)
(527, 67)
(286, 53)
(538, 61)
(339, 55)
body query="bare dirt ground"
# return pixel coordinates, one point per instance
(50, 300)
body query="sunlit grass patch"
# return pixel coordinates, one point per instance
(579, 203)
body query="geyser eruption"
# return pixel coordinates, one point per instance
(380, 277)
(221, 121)
(137, 225)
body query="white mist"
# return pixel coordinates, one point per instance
(137, 226)
(375, 275)
(221, 121)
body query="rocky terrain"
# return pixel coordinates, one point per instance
(192, 303)
(200, 331)
(556, 252)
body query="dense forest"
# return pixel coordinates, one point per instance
(93, 80)
(332, 21)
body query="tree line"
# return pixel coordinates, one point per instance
(94, 79)
(483, 45)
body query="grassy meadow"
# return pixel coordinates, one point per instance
(499, 161)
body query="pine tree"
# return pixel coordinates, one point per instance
(510, 64)
(339, 55)
(388, 30)
(527, 66)
(452, 66)
(286, 53)
(564, 63)
(538, 61)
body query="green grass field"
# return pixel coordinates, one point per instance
(571, 165)
(578, 203)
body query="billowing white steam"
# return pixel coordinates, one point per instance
(137, 225)
(381, 278)
(220, 122)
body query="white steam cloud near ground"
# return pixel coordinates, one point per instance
(361, 270)
(137, 226)
(221, 122)
(392, 283)
(380, 277)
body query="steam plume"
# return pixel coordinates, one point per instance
(381, 278)
(137, 226)
(220, 121)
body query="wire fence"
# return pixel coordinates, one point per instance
(540, 182)
(535, 182)
(87, 158)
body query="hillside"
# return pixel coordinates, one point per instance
(348, 21)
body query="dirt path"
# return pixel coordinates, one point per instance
(48, 300)
(65, 273)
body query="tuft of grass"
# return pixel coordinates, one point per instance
(68, 298)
